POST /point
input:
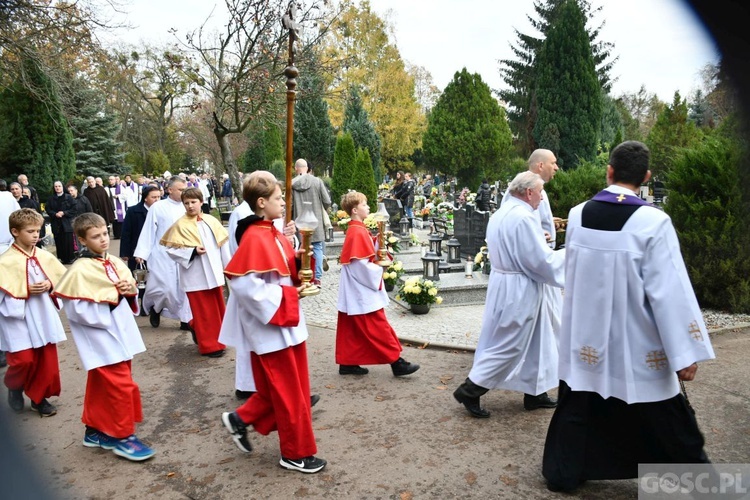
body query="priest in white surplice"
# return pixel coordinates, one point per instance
(517, 349)
(163, 295)
(631, 331)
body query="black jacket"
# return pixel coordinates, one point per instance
(65, 204)
(135, 218)
(483, 197)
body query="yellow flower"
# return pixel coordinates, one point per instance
(417, 289)
(341, 214)
(397, 266)
(439, 300)
(432, 291)
(392, 239)
(429, 283)
(478, 258)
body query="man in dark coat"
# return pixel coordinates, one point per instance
(135, 217)
(483, 196)
(100, 202)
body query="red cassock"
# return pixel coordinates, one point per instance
(367, 338)
(282, 400)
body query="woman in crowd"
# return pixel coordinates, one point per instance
(61, 208)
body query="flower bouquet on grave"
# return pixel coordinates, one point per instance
(419, 293)
(392, 274)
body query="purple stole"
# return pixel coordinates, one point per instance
(119, 206)
(619, 199)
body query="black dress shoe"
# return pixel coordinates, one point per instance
(15, 400)
(402, 367)
(243, 394)
(154, 318)
(184, 326)
(352, 370)
(192, 332)
(471, 405)
(541, 401)
(314, 398)
(215, 354)
(3, 361)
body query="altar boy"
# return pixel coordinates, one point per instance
(99, 296)
(198, 243)
(363, 334)
(30, 326)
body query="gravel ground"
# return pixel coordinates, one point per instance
(716, 320)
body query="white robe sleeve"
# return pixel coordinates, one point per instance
(181, 255)
(146, 240)
(537, 260)
(256, 297)
(366, 273)
(91, 314)
(11, 307)
(670, 295)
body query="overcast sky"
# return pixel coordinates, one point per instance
(660, 43)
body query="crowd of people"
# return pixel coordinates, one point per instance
(617, 346)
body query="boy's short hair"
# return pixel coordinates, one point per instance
(23, 218)
(192, 194)
(86, 221)
(351, 200)
(259, 184)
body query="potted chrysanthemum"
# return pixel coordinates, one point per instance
(392, 274)
(419, 293)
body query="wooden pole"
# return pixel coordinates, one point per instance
(291, 74)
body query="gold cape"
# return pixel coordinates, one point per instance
(184, 232)
(14, 264)
(87, 279)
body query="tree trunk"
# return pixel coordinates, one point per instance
(228, 160)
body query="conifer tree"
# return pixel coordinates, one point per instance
(363, 179)
(264, 147)
(313, 132)
(568, 93)
(519, 75)
(467, 133)
(35, 138)
(358, 124)
(671, 132)
(344, 164)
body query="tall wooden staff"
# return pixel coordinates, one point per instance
(291, 74)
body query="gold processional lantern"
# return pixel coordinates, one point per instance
(382, 216)
(306, 223)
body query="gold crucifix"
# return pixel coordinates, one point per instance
(621, 197)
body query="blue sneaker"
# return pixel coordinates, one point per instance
(95, 439)
(133, 449)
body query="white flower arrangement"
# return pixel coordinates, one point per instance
(418, 290)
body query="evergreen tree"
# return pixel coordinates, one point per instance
(705, 202)
(467, 133)
(520, 74)
(671, 132)
(95, 131)
(363, 179)
(35, 138)
(357, 123)
(568, 93)
(344, 164)
(264, 147)
(612, 123)
(313, 132)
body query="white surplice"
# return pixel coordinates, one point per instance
(253, 302)
(163, 290)
(238, 213)
(361, 289)
(31, 323)
(630, 316)
(103, 337)
(202, 272)
(517, 349)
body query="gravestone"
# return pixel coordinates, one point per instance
(395, 210)
(478, 223)
(461, 229)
